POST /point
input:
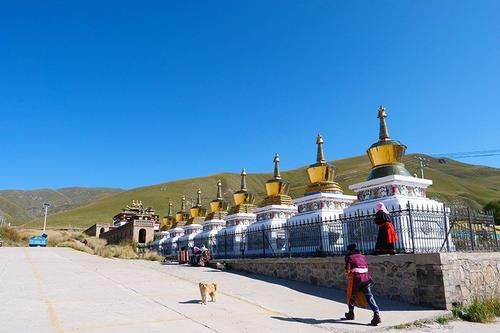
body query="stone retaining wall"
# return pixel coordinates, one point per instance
(438, 280)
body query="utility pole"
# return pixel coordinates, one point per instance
(423, 163)
(46, 207)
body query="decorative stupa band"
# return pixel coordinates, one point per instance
(391, 190)
(274, 215)
(322, 204)
(239, 221)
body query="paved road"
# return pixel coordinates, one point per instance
(62, 290)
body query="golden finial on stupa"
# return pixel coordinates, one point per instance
(168, 220)
(170, 208)
(181, 215)
(383, 131)
(277, 174)
(219, 204)
(386, 155)
(277, 188)
(243, 196)
(321, 174)
(243, 179)
(198, 210)
(219, 189)
(320, 155)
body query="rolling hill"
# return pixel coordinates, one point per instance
(455, 183)
(19, 206)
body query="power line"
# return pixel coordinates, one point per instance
(470, 154)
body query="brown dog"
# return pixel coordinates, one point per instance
(207, 288)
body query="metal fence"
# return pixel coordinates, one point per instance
(419, 230)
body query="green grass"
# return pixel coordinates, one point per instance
(480, 310)
(454, 183)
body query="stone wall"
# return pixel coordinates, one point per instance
(97, 229)
(130, 231)
(436, 280)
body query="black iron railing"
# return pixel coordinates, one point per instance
(419, 230)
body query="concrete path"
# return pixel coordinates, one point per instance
(62, 290)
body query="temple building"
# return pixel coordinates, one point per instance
(276, 208)
(214, 222)
(391, 183)
(193, 225)
(230, 240)
(137, 211)
(176, 230)
(322, 202)
(135, 222)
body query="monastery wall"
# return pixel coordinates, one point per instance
(438, 280)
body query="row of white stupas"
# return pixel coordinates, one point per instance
(229, 233)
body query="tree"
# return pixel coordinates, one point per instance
(494, 206)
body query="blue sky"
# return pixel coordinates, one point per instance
(130, 93)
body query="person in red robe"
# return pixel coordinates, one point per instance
(387, 237)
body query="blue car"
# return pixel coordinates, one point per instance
(37, 241)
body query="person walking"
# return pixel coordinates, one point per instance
(359, 284)
(387, 237)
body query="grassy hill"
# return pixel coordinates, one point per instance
(19, 207)
(454, 182)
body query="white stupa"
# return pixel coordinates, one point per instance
(311, 230)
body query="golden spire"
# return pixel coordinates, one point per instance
(383, 132)
(219, 204)
(198, 198)
(320, 156)
(277, 188)
(198, 210)
(321, 174)
(169, 219)
(386, 155)
(181, 215)
(277, 174)
(243, 196)
(243, 180)
(219, 189)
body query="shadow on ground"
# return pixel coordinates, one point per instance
(192, 301)
(313, 321)
(332, 294)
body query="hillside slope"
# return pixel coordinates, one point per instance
(454, 182)
(17, 206)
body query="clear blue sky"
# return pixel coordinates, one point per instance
(130, 93)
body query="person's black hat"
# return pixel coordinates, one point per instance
(351, 247)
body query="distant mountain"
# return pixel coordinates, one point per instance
(455, 183)
(19, 207)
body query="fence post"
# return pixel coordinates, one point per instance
(318, 222)
(470, 230)
(263, 243)
(446, 228)
(225, 244)
(412, 235)
(495, 231)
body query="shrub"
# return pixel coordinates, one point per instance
(153, 256)
(75, 245)
(10, 236)
(480, 310)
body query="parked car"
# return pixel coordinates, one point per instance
(38, 241)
